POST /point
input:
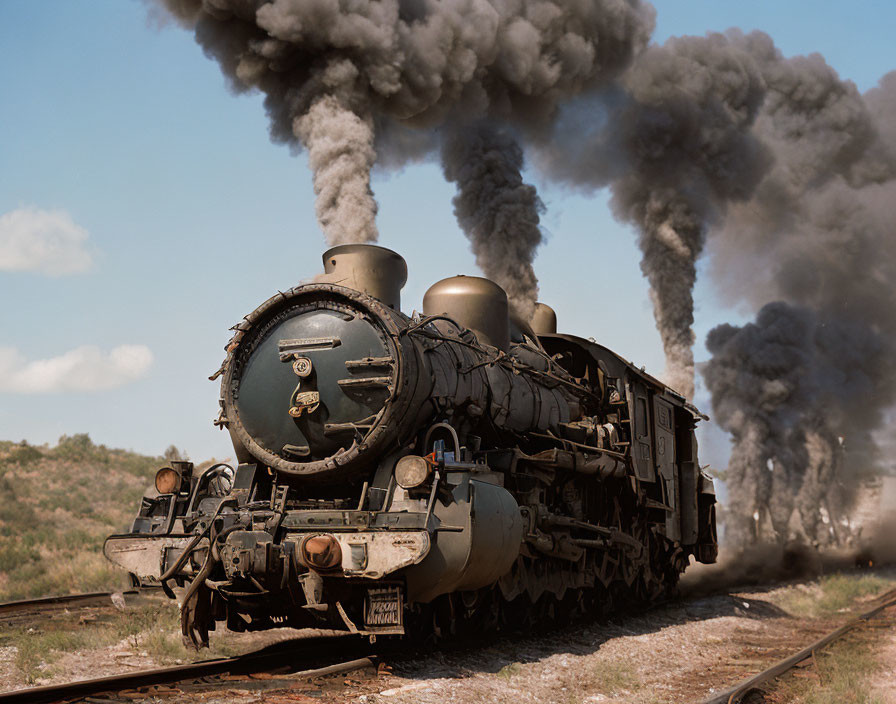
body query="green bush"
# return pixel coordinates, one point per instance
(24, 455)
(840, 591)
(13, 556)
(75, 448)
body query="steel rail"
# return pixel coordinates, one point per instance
(49, 602)
(271, 658)
(734, 694)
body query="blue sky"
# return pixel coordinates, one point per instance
(188, 216)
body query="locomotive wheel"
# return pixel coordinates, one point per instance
(545, 612)
(516, 614)
(624, 577)
(569, 608)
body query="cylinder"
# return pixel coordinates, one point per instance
(374, 270)
(475, 303)
(479, 554)
(544, 320)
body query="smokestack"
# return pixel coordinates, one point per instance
(376, 271)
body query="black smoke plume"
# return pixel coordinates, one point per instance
(375, 81)
(799, 391)
(675, 142)
(817, 236)
(495, 208)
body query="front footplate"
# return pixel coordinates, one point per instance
(147, 556)
(374, 554)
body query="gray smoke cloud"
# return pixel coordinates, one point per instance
(341, 155)
(817, 236)
(495, 208)
(374, 82)
(835, 155)
(757, 378)
(800, 392)
(675, 143)
(689, 152)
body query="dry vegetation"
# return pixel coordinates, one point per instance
(150, 632)
(841, 675)
(828, 595)
(57, 505)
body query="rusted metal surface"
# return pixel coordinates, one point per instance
(58, 602)
(147, 557)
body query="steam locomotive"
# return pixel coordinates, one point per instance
(454, 469)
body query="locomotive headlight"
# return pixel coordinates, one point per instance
(411, 471)
(321, 552)
(167, 481)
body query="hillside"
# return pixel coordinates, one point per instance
(57, 505)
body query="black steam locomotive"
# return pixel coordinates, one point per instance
(456, 468)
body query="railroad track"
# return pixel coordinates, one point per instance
(318, 656)
(327, 655)
(49, 603)
(754, 684)
(15, 612)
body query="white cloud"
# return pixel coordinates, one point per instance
(84, 368)
(45, 241)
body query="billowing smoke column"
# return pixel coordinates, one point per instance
(675, 143)
(351, 81)
(800, 392)
(341, 154)
(777, 164)
(818, 235)
(688, 152)
(497, 211)
(757, 378)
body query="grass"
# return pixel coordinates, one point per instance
(36, 652)
(840, 591)
(152, 629)
(829, 595)
(842, 673)
(508, 671)
(57, 506)
(614, 677)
